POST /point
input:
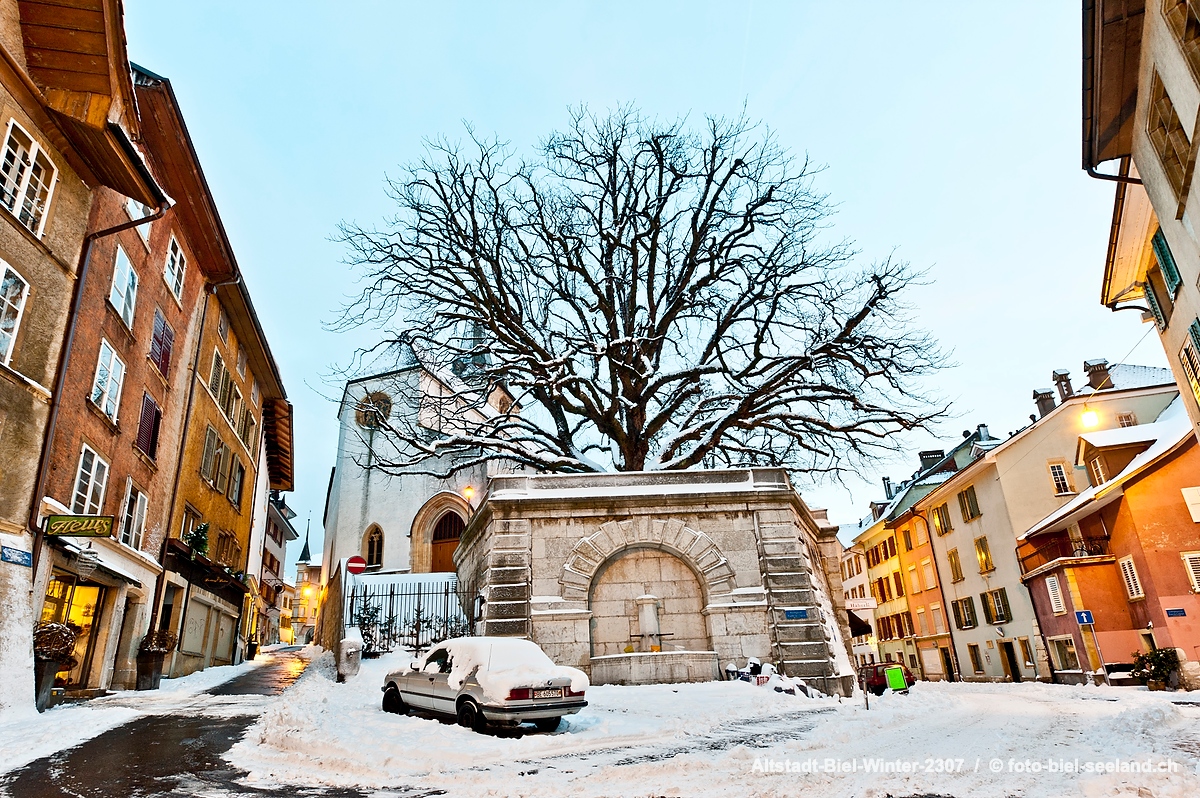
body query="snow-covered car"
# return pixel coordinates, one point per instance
(481, 680)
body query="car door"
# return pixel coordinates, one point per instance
(443, 696)
(422, 683)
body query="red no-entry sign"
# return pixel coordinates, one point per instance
(356, 565)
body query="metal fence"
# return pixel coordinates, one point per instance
(412, 616)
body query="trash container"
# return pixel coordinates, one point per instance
(895, 678)
(252, 649)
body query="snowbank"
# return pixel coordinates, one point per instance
(323, 733)
(725, 738)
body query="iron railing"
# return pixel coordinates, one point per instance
(412, 616)
(1063, 548)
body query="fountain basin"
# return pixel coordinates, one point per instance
(655, 667)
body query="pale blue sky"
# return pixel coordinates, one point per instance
(951, 132)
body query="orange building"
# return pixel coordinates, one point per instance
(935, 649)
(1124, 550)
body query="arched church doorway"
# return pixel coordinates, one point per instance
(634, 573)
(446, 535)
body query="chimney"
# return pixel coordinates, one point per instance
(931, 458)
(1044, 401)
(1062, 381)
(1097, 372)
(887, 487)
(983, 432)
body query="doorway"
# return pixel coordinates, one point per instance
(1010, 658)
(79, 605)
(446, 535)
(948, 665)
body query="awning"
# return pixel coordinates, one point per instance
(858, 626)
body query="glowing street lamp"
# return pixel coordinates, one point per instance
(1090, 418)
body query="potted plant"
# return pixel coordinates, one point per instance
(196, 539)
(53, 648)
(151, 652)
(1156, 668)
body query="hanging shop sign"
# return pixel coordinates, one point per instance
(80, 526)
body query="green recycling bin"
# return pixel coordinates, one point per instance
(895, 678)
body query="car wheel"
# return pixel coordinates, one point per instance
(469, 716)
(392, 702)
(546, 724)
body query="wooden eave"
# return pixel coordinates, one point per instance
(277, 433)
(1112, 49)
(76, 57)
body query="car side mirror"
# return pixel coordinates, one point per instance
(415, 665)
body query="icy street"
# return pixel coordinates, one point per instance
(317, 737)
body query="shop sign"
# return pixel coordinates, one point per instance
(16, 556)
(80, 526)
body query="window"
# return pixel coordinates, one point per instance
(90, 481)
(110, 374)
(922, 624)
(1166, 262)
(162, 343)
(237, 476)
(254, 392)
(913, 580)
(922, 533)
(1026, 651)
(137, 210)
(907, 539)
(375, 547)
(969, 504)
(1183, 22)
(941, 519)
(191, 520)
(241, 361)
(1191, 563)
(1189, 358)
(223, 326)
(995, 606)
(1054, 591)
(1062, 649)
(123, 295)
(976, 660)
(1167, 135)
(26, 179)
(939, 624)
(231, 405)
(1129, 575)
(210, 463)
(133, 517)
(229, 552)
(13, 293)
(964, 613)
(1058, 476)
(148, 425)
(1126, 420)
(248, 430)
(983, 554)
(1096, 469)
(956, 574)
(928, 573)
(177, 264)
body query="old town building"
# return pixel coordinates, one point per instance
(67, 133)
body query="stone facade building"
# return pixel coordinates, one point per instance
(651, 577)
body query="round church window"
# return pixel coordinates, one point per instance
(374, 410)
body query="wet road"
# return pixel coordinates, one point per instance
(167, 755)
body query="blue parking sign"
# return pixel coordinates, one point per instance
(1083, 616)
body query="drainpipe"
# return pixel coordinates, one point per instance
(210, 289)
(938, 573)
(64, 357)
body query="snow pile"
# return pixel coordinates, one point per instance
(502, 663)
(321, 733)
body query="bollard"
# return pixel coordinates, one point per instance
(349, 654)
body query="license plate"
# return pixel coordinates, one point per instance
(554, 692)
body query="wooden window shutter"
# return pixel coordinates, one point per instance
(1057, 605)
(1194, 331)
(1191, 561)
(986, 600)
(1166, 261)
(214, 377)
(958, 619)
(210, 451)
(1129, 574)
(148, 424)
(1155, 308)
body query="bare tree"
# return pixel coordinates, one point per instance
(650, 296)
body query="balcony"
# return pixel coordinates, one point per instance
(1062, 548)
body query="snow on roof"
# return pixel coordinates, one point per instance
(1124, 376)
(1172, 427)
